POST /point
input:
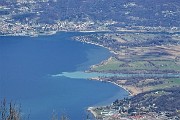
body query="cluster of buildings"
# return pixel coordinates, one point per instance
(31, 27)
(35, 29)
(126, 111)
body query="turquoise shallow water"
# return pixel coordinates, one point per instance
(89, 75)
(26, 66)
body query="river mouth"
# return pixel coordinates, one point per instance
(26, 65)
(89, 75)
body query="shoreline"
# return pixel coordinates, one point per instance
(111, 51)
(91, 109)
(130, 93)
(121, 86)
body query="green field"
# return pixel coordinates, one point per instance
(117, 65)
(168, 83)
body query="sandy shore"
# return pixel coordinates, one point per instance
(89, 42)
(130, 89)
(131, 93)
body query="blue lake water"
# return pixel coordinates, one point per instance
(26, 64)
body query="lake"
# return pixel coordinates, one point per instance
(26, 66)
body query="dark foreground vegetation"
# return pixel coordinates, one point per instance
(12, 111)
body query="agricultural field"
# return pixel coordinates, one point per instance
(147, 66)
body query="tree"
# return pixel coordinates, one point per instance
(11, 112)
